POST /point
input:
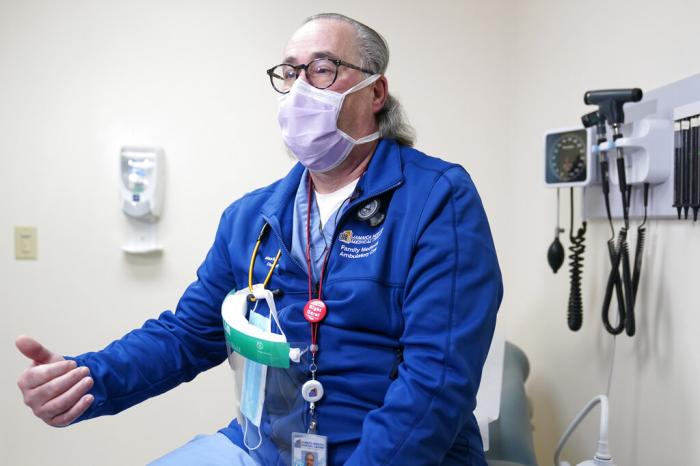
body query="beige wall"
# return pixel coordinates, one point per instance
(82, 78)
(559, 50)
(481, 81)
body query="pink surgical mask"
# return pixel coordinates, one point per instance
(308, 118)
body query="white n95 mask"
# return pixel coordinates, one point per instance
(308, 118)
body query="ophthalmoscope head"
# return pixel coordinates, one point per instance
(610, 102)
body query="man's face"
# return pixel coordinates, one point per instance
(336, 39)
(309, 459)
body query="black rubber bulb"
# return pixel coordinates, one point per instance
(555, 254)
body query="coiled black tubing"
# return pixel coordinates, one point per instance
(577, 248)
(630, 323)
(629, 282)
(614, 283)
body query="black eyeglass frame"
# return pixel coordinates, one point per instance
(298, 68)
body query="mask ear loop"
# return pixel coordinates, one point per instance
(359, 86)
(362, 84)
(362, 140)
(273, 310)
(245, 432)
(264, 293)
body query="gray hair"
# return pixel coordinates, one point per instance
(374, 54)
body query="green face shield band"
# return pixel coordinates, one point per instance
(250, 341)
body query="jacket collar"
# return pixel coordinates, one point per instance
(384, 172)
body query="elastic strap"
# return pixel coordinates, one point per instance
(263, 293)
(245, 432)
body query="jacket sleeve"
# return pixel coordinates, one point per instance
(169, 350)
(453, 290)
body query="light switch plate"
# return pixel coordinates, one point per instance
(25, 243)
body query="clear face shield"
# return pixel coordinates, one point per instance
(269, 372)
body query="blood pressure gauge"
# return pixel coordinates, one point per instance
(567, 158)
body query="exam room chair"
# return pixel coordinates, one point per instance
(511, 434)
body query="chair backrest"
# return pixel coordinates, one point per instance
(510, 436)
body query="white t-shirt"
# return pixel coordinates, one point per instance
(329, 203)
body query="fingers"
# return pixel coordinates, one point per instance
(35, 350)
(54, 388)
(73, 413)
(65, 404)
(35, 376)
(57, 386)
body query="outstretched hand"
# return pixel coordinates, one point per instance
(54, 388)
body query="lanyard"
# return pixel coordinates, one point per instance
(315, 309)
(314, 312)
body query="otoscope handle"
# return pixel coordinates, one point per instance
(621, 175)
(605, 175)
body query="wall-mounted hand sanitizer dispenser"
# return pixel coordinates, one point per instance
(142, 179)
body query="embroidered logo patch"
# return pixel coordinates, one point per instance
(345, 236)
(358, 246)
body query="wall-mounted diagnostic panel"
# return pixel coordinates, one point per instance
(637, 158)
(649, 148)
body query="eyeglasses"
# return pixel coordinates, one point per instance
(320, 73)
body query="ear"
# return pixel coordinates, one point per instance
(380, 89)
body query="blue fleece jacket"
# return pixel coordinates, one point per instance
(412, 307)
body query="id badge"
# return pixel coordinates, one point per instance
(308, 449)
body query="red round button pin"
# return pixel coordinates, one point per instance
(315, 311)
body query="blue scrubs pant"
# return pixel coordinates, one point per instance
(206, 450)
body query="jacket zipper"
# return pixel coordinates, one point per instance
(284, 247)
(353, 204)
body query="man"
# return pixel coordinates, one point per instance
(386, 282)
